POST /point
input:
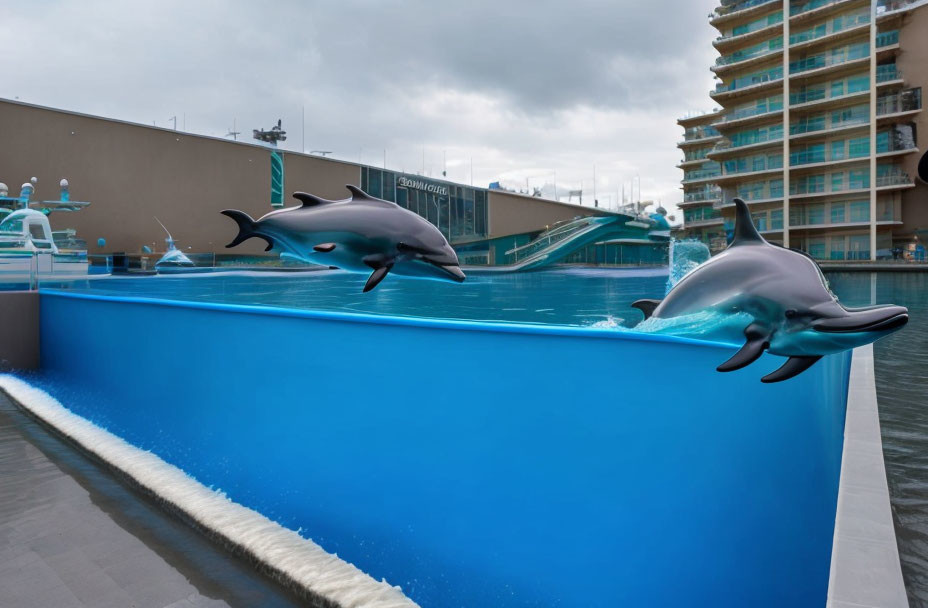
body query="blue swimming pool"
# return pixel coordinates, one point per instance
(495, 443)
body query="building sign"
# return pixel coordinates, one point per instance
(418, 184)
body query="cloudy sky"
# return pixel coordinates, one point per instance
(524, 91)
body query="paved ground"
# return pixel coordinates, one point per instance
(73, 536)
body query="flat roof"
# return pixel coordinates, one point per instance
(304, 154)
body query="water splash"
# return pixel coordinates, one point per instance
(685, 255)
(704, 325)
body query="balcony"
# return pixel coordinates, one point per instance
(809, 159)
(737, 9)
(887, 38)
(750, 82)
(712, 221)
(901, 104)
(894, 180)
(887, 7)
(748, 56)
(855, 118)
(829, 30)
(818, 99)
(820, 62)
(814, 5)
(888, 73)
(708, 173)
(760, 28)
(703, 195)
(745, 115)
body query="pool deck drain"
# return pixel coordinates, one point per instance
(73, 536)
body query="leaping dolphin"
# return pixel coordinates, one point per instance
(359, 234)
(794, 313)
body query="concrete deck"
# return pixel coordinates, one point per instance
(865, 568)
(71, 535)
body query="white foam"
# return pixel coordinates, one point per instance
(302, 560)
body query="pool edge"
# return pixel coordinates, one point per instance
(292, 560)
(865, 567)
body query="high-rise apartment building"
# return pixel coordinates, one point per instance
(821, 108)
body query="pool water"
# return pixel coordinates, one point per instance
(573, 297)
(901, 362)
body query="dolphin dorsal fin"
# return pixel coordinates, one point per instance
(360, 195)
(357, 193)
(745, 232)
(310, 200)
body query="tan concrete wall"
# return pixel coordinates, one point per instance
(19, 333)
(133, 173)
(516, 213)
(913, 43)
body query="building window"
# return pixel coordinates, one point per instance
(816, 215)
(858, 247)
(817, 247)
(837, 213)
(837, 248)
(776, 219)
(859, 211)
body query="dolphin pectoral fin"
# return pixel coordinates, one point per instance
(793, 367)
(381, 265)
(646, 307)
(324, 247)
(758, 339)
(376, 277)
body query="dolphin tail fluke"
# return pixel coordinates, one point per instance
(793, 367)
(757, 342)
(646, 307)
(246, 228)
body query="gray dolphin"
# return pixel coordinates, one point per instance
(359, 234)
(794, 313)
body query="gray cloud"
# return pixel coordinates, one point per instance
(524, 90)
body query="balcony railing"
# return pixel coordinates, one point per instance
(812, 157)
(832, 27)
(750, 80)
(904, 101)
(748, 112)
(811, 6)
(738, 6)
(754, 26)
(820, 93)
(888, 72)
(852, 53)
(824, 122)
(887, 38)
(752, 165)
(885, 6)
(709, 193)
(760, 50)
(697, 133)
(690, 176)
(894, 178)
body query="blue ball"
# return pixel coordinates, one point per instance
(146, 249)
(101, 242)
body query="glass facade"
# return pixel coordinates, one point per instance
(460, 212)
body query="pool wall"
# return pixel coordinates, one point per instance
(476, 464)
(19, 330)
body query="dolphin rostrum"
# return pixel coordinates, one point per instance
(784, 292)
(359, 234)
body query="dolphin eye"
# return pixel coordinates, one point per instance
(790, 313)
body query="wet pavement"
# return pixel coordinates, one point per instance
(72, 535)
